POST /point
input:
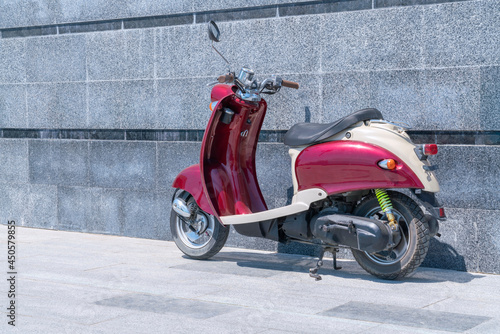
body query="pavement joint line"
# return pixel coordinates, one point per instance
(111, 265)
(103, 321)
(438, 301)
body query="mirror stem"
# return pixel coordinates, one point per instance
(220, 54)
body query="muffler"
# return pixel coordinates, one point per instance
(364, 234)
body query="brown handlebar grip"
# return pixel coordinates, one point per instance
(226, 78)
(290, 84)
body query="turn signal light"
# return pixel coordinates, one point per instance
(430, 149)
(388, 164)
(213, 105)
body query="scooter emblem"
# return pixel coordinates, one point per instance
(244, 133)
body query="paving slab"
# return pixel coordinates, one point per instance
(71, 282)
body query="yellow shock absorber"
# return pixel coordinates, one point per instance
(385, 203)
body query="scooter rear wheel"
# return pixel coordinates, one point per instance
(201, 238)
(409, 253)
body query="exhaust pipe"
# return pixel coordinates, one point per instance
(181, 208)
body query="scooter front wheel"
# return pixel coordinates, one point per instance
(411, 250)
(199, 238)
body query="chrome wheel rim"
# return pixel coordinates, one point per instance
(197, 234)
(399, 251)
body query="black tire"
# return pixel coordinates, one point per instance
(185, 238)
(413, 227)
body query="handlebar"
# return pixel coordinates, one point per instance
(290, 84)
(249, 88)
(226, 78)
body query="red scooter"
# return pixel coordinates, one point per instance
(341, 173)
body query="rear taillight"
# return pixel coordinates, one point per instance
(430, 149)
(441, 213)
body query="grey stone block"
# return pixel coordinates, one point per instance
(141, 215)
(105, 104)
(59, 162)
(488, 242)
(456, 248)
(363, 40)
(13, 203)
(469, 241)
(392, 3)
(153, 8)
(490, 98)
(27, 13)
(58, 59)
(164, 202)
(13, 106)
(288, 106)
(120, 54)
(139, 105)
(89, 27)
(60, 105)
(344, 93)
(73, 205)
(429, 99)
(14, 161)
(184, 51)
(237, 240)
(105, 211)
(274, 174)
(237, 14)
(173, 157)
(158, 21)
(123, 104)
(42, 206)
(183, 104)
(468, 176)
(201, 5)
(90, 210)
(78, 11)
(324, 7)
(128, 165)
(398, 95)
(451, 99)
(300, 248)
(30, 31)
(462, 33)
(12, 60)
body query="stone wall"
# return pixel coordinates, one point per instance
(102, 103)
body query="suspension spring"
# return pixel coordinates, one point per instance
(383, 199)
(386, 205)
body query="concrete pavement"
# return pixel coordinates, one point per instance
(70, 282)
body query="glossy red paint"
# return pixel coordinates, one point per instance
(220, 91)
(227, 157)
(190, 180)
(341, 166)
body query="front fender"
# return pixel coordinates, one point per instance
(190, 180)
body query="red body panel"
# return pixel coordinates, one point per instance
(221, 91)
(190, 180)
(227, 157)
(341, 166)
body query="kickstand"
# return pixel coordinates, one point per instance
(313, 272)
(334, 253)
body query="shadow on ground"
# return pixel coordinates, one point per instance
(273, 264)
(442, 255)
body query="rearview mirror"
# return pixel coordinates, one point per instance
(213, 31)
